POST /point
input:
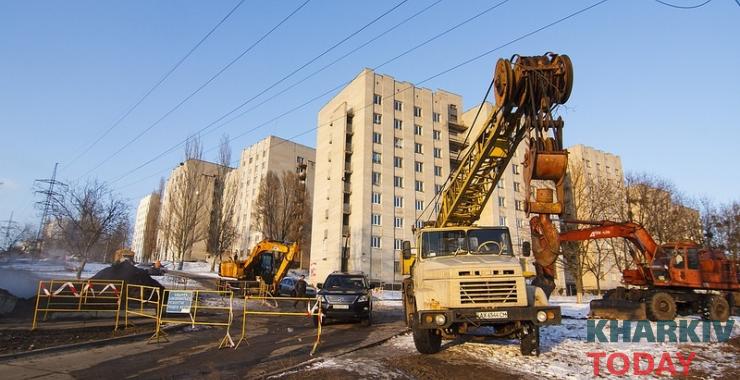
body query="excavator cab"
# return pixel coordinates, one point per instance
(684, 266)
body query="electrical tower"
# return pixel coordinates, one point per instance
(45, 205)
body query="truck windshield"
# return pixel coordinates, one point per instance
(458, 242)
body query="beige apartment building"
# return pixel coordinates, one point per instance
(383, 149)
(270, 154)
(145, 228)
(188, 193)
(594, 190)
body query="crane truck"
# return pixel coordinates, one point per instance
(663, 280)
(463, 276)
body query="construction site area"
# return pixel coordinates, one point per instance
(413, 237)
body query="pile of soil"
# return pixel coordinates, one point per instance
(127, 272)
(26, 340)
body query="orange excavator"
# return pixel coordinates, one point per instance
(266, 265)
(663, 280)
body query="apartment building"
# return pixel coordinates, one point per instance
(269, 154)
(594, 190)
(383, 150)
(188, 195)
(145, 228)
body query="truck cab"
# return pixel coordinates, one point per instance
(462, 278)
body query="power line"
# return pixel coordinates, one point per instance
(273, 85)
(157, 84)
(202, 86)
(687, 6)
(463, 63)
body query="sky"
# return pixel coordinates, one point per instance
(656, 85)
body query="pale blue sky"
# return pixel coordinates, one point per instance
(658, 86)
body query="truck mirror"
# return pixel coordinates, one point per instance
(406, 249)
(526, 249)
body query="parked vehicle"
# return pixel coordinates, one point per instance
(287, 288)
(346, 296)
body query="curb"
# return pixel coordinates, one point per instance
(341, 353)
(76, 346)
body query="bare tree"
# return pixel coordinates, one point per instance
(657, 205)
(185, 209)
(86, 214)
(282, 209)
(222, 232)
(722, 226)
(16, 237)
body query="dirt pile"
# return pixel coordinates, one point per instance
(127, 272)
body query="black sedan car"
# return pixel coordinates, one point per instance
(346, 296)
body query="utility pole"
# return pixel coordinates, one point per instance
(46, 203)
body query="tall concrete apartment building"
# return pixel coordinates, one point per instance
(586, 168)
(145, 228)
(270, 154)
(384, 148)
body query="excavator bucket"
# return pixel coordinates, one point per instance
(621, 309)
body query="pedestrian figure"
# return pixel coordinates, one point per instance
(300, 289)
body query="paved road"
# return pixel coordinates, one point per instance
(273, 344)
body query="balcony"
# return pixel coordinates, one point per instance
(348, 148)
(349, 131)
(347, 167)
(347, 188)
(345, 230)
(346, 208)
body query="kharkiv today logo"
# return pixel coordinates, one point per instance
(644, 363)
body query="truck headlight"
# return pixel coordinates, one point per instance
(440, 319)
(362, 299)
(541, 316)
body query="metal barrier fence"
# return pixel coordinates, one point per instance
(142, 301)
(311, 312)
(78, 296)
(190, 302)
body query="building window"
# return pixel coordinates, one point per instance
(377, 118)
(418, 130)
(397, 245)
(375, 219)
(375, 241)
(376, 158)
(376, 178)
(398, 181)
(438, 171)
(398, 142)
(419, 205)
(500, 184)
(397, 162)
(419, 224)
(437, 189)
(419, 185)
(501, 220)
(517, 187)
(376, 198)
(417, 111)
(437, 135)
(437, 153)
(398, 222)
(515, 168)
(418, 166)
(519, 223)
(377, 98)
(376, 137)
(397, 105)
(398, 201)
(435, 116)
(519, 205)
(418, 148)
(398, 124)
(501, 202)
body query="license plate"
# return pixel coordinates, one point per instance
(492, 314)
(341, 306)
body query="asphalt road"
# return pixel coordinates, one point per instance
(273, 344)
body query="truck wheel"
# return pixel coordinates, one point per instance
(529, 343)
(717, 309)
(661, 307)
(426, 340)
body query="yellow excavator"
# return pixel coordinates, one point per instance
(265, 266)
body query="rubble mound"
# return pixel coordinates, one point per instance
(127, 272)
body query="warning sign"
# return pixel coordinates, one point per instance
(179, 301)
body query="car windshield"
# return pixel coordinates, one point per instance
(458, 242)
(342, 282)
